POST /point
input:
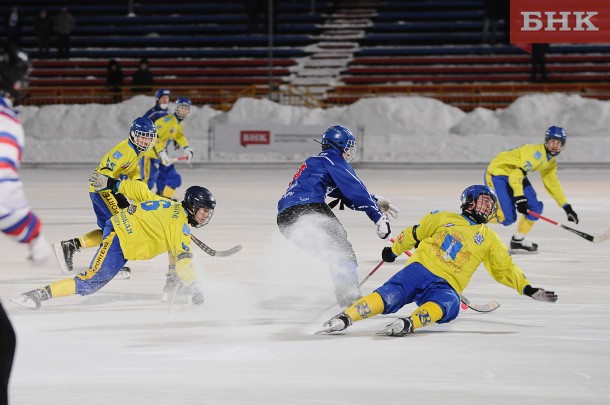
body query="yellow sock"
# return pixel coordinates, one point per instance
(168, 192)
(525, 225)
(91, 239)
(430, 312)
(366, 307)
(63, 288)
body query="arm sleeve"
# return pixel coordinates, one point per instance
(355, 194)
(515, 179)
(184, 267)
(501, 267)
(180, 139)
(551, 183)
(411, 236)
(137, 190)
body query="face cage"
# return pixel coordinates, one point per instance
(194, 222)
(493, 212)
(546, 146)
(137, 134)
(350, 150)
(179, 107)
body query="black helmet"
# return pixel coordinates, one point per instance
(196, 197)
(14, 71)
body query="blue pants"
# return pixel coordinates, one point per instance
(506, 199)
(106, 204)
(168, 176)
(106, 263)
(415, 283)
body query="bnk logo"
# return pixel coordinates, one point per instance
(559, 21)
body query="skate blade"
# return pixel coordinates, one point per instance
(522, 252)
(59, 255)
(325, 331)
(25, 302)
(123, 275)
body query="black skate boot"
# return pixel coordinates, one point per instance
(32, 299)
(400, 327)
(64, 252)
(522, 246)
(336, 324)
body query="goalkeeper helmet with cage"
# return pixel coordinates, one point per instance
(479, 203)
(15, 67)
(558, 134)
(143, 134)
(161, 93)
(340, 138)
(195, 198)
(183, 107)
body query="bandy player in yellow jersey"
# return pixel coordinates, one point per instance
(157, 167)
(450, 248)
(139, 232)
(507, 175)
(122, 161)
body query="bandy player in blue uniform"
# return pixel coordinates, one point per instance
(450, 248)
(303, 206)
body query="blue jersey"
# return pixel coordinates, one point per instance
(155, 113)
(328, 174)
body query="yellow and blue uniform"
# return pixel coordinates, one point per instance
(450, 248)
(507, 175)
(169, 129)
(139, 232)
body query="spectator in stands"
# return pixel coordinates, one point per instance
(43, 26)
(539, 62)
(114, 80)
(13, 25)
(492, 15)
(64, 25)
(142, 77)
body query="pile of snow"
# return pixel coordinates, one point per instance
(395, 129)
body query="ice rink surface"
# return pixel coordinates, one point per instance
(253, 341)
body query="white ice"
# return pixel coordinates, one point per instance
(253, 341)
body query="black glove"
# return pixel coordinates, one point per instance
(521, 204)
(539, 294)
(387, 255)
(572, 217)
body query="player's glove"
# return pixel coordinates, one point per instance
(383, 227)
(189, 154)
(572, 217)
(539, 294)
(164, 158)
(197, 296)
(521, 204)
(387, 255)
(386, 208)
(101, 182)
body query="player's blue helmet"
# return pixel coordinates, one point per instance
(557, 133)
(480, 212)
(143, 134)
(196, 197)
(162, 92)
(183, 107)
(342, 139)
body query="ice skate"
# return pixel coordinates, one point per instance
(32, 299)
(64, 252)
(522, 246)
(335, 324)
(40, 251)
(123, 274)
(400, 327)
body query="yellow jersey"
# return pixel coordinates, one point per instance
(519, 162)
(169, 128)
(452, 247)
(153, 226)
(122, 161)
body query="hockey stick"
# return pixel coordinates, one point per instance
(212, 252)
(178, 159)
(590, 238)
